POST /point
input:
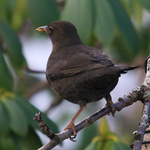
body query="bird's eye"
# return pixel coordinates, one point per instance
(50, 28)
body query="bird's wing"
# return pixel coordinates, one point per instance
(78, 63)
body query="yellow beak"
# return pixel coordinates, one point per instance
(42, 29)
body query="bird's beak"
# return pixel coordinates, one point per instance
(42, 29)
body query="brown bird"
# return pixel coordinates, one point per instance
(79, 73)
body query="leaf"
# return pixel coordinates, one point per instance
(137, 11)
(125, 26)
(6, 79)
(4, 119)
(97, 144)
(87, 135)
(14, 48)
(18, 14)
(107, 140)
(91, 146)
(42, 12)
(145, 40)
(106, 145)
(4, 10)
(103, 127)
(145, 4)
(29, 142)
(7, 142)
(30, 112)
(105, 22)
(120, 146)
(80, 13)
(18, 120)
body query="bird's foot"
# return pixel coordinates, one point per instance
(110, 105)
(71, 126)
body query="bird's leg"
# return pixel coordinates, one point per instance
(71, 124)
(110, 104)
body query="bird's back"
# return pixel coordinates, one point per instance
(81, 73)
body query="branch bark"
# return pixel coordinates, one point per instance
(146, 109)
(136, 94)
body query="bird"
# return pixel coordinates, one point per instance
(79, 73)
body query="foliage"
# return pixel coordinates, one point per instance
(115, 25)
(106, 140)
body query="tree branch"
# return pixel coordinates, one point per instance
(136, 94)
(146, 109)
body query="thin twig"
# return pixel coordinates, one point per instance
(143, 125)
(44, 128)
(39, 86)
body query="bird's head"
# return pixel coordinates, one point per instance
(62, 32)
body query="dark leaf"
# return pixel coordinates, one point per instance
(104, 22)
(29, 142)
(42, 12)
(18, 120)
(7, 142)
(120, 146)
(91, 146)
(125, 26)
(30, 112)
(123, 50)
(6, 79)
(87, 135)
(80, 13)
(14, 48)
(4, 119)
(145, 4)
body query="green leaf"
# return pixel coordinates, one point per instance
(125, 26)
(87, 135)
(42, 12)
(30, 112)
(14, 48)
(107, 140)
(103, 127)
(80, 13)
(105, 145)
(91, 146)
(6, 142)
(98, 144)
(145, 40)
(6, 79)
(120, 146)
(18, 14)
(137, 11)
(4, 10)
(122, 49)
(105, 23)
(29, 142)
(145, 4)
(18, 120)
(4, 119)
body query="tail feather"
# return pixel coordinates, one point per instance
(125, 69)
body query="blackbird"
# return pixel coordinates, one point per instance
(79, 73)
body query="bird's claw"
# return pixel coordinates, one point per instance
(110, 105)
(71, 126)
(72, 138)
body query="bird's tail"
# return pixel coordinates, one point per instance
(124, 69)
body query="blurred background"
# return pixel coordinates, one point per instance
(120, 28)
